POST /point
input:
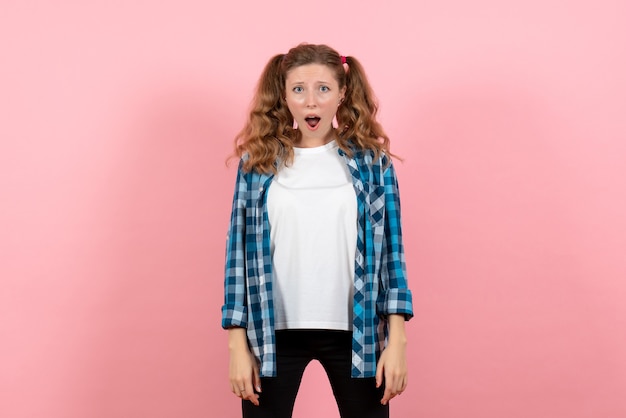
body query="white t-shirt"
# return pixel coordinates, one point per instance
(312, 210)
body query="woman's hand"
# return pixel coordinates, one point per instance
(243, 370)
(392, 365)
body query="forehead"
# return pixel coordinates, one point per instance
(310, 73)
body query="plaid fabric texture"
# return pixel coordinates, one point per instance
(380, 285)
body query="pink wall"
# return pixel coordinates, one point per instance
(116, 119)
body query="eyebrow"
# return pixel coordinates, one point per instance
(318, 82)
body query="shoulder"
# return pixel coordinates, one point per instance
(368, 158)
(251, 177)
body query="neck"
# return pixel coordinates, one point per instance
(312, 142)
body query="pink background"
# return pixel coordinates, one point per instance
(117, 118)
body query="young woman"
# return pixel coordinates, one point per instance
(315, 263)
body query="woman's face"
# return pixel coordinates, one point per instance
(313, 95)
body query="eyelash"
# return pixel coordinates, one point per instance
(299, 89)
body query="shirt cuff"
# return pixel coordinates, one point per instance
(395, 301)
(234, 316)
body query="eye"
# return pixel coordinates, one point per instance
(298, 89)
(324, 89)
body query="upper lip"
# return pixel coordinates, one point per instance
(311, 116)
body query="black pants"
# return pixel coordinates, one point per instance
(356, 397)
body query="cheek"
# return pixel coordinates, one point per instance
(330, 106)
(329, 100)
(293, 109)
(294, 100)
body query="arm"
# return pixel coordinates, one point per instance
(234, 310)
(396, 299)
(243, 368)
(395, 296)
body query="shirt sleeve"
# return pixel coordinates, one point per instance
(234, 310)
(395, 296)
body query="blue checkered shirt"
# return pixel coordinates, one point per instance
(380, 285)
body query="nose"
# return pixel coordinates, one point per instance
(310, 99)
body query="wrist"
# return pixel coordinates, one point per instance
(397, 340)
(237, 339)
(397, 334)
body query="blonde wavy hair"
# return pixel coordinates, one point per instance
(268, 135)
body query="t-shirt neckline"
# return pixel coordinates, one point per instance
(314, 150)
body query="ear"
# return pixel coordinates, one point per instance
(342, 95)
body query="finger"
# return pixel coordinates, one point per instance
(386, 396)
(238, 387)
(248, 388)
(402, 386)
(379, 374)
(405, 382)
(241, 385)
(389, 395)
(257, 379)
(393, 387)
(237, 391)
(250, 396)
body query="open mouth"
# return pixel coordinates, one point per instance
(312, 121)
